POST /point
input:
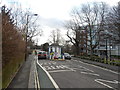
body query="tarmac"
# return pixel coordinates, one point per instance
(25, 77)
(107, 66)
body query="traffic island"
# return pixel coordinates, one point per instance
(45, 79)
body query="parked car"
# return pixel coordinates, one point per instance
(67, 56)
(42, 55)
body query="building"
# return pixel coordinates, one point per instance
(83, 41)
(107, 46)
(55, 51)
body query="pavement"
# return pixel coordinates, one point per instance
(22, 79)
(26, 76)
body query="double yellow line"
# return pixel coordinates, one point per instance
(37, 81)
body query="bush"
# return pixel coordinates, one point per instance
(13, 47)
(115, 56)
(93, 58)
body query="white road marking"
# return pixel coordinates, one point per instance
(55, 67)
(60, 67)
(59, 71)
(100, 68)
(100, 81)
(53, 62)
(68, 68)
(86, 69)
(83, 69)
(52, 80)
(90, 73)
(52, 67)
(114, 81)
(49, 63)
(47, 68)
(68, 60)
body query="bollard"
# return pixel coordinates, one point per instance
(63, 57)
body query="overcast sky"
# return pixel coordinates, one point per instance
(52, 13)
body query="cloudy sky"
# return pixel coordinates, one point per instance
(52, 13)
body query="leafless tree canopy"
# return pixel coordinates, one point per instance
(56, 37)
(26, 20)
(91, 18)
(113, 22)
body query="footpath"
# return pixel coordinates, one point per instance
(111, 67)
(24, 77)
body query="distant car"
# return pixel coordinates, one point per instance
(42, 55)
(67, 56)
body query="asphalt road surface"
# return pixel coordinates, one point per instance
(76, 74)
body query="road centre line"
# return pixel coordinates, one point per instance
(90, 73)
(69, 68)
(86, 68)
(59, 71)
(83, 69)
(50, 77)
(100, 67)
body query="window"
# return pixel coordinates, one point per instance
(113, 46)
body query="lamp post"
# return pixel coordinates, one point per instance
(27, 35)
(110, 47)
(106, 52)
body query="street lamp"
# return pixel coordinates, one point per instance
(110, 47)
(106, 52)
(26, 34)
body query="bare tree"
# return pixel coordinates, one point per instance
(73, 35)
(56, 37)
(26, 22)
(90, 17)
(113, 22)
(95, 18)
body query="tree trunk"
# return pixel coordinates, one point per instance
(77, 50)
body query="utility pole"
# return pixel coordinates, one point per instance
(26, 38)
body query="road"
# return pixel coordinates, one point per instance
(76, 74)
